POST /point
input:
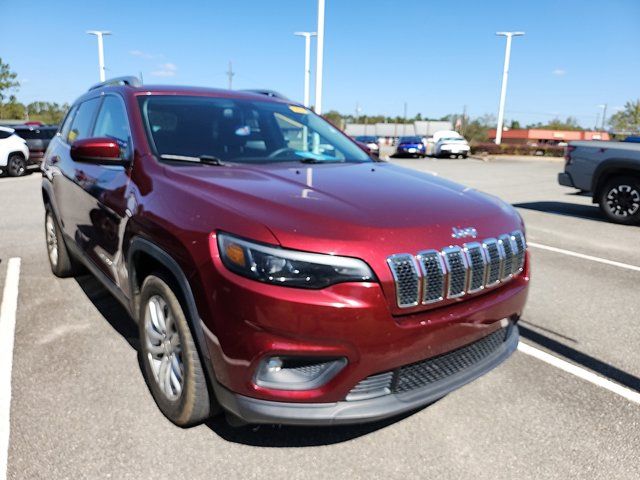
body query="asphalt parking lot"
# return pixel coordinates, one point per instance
(80, 407)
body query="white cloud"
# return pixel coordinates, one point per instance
(165, 70)
(559, 72)
(141, 54)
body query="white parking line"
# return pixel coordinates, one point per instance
(7, 329)
(585, 257)
(580, 372)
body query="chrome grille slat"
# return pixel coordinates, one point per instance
(477, 266)
(405, 273)
(495, 257)
(457, 270)
(433, 276)
(504, 242)
(521, 245)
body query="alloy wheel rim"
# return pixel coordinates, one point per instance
(164, 348)
(623, 201)
(52, 241)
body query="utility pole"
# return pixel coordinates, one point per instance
(307, 63)
(358, 110)
(99, 35)
(319, 57)
(505, 78)
(464, 119)
(604, 115)
(230, 74)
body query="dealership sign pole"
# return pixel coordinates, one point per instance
(505, 78)
(319, 58)
(307, 63)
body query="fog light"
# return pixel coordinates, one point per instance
(289, 373)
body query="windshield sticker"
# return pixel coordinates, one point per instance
(297, 109)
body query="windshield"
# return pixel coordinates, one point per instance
(410, 140)
(452, 139)
(243, 131)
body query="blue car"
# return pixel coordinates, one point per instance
(411, 146)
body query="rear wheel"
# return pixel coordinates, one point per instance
(168, 353)
(620, 200)
(16, 165)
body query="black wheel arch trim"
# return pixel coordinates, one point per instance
(610, 166)
(140, 244)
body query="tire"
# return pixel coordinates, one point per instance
(619, 200)
(16, 165)
(61, 263)
(169, 356)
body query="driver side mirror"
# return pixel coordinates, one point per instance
(100, 151)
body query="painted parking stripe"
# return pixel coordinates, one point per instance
(7, 330)
(613, 263)
(629, 394)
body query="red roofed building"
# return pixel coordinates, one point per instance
(540, 136)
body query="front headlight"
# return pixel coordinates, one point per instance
(291, 268)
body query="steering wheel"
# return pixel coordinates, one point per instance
(280, 151)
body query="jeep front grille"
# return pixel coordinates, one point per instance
(433, 276)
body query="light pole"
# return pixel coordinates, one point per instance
(505, 78)
(307, 62)
(100, 34)
(319, 58)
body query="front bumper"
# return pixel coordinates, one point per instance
(253, 410)
(565, 179)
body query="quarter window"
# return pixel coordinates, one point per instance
(112, 122)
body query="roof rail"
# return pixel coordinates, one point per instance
(268, 93)
(130, 81)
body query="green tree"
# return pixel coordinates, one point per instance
(8, 82)
(334, 117)
(627, 120)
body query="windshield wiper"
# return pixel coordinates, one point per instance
(206, 159)
(315, 160)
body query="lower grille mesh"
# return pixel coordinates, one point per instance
(432, 370)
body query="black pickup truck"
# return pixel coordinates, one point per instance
(610, 171)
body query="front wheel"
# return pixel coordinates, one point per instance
(168, 353)
(61, 263)
(16, 165)
(620, 200)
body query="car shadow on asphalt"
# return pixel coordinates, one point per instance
(605, 369)
(255, 435)
(587, 212)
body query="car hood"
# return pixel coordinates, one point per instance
(350, 209)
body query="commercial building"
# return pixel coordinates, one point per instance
(540, 136)
(390, 131)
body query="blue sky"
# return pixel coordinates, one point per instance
(436, 55)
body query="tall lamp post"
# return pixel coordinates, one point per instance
(100, 34)
(319, 58)
(505, 79)
(307, 63)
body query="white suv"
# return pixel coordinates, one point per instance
(14, 153)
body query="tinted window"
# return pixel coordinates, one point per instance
(66, 126)
(112, 122)
(4, 134)
(411, 139)
(83, 120)
(243, 131)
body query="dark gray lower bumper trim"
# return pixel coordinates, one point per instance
(565, 180)
(253, 410)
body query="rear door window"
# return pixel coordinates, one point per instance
(83, 120)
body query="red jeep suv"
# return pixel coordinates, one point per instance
(276, 272)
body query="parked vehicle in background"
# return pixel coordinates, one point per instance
(370, 142)
(411, 146)
(37, 138)
(275, 271)
(610, 171)
(14, 153)
(447, 144)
